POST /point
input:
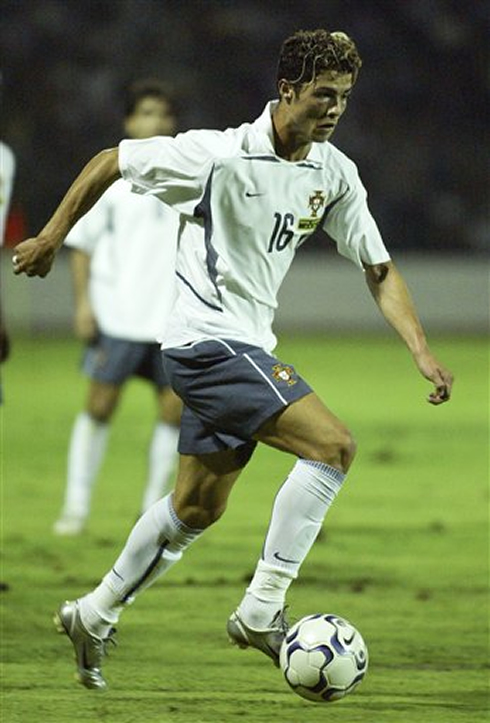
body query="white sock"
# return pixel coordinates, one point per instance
(86, 451)
(156, 542)
(161, 463)
(299, 509)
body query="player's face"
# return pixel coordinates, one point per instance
(317, 107)
(151, 117)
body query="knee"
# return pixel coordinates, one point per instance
(101, 407)
(100, 413)
(203, 487)
(102, 400)
(348, 451)
(198, 516)
(210, 515)
(337, 450)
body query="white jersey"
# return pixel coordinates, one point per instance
(7, 171)
(244, 212)
(132, 242)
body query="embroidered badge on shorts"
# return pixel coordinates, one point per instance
(283, 373)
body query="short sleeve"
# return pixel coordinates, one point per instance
(174, 170)
(350, 224)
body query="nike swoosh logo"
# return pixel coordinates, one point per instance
(253, 195)
(285, 559)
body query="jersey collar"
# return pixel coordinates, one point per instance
(265, 135)
(264, 128)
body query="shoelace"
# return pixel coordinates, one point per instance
(109, 639)
(280, 621)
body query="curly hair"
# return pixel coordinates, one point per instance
(309, 52)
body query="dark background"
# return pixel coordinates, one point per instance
(416, 125)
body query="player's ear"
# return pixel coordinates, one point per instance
(286, 91)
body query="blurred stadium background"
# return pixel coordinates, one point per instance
(416, 127)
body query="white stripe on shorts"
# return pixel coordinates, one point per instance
(220, 341)
(276, 391)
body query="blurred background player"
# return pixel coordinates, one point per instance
(123, 258)
(7, 171)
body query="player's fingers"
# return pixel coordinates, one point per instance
(34, 267)
(22, 265)
(445, 388)
(16, 263)
(443, 381)
(440, 395)
(31, 268)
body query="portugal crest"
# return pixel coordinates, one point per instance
(283, 373)
(316, 202)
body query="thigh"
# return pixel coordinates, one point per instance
(305, 428)
(169, 406)
(204, 483)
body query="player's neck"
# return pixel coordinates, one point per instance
(286, 144)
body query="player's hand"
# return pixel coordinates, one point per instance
(85, 323)
(34, 257)
(442, 379)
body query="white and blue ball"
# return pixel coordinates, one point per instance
(323, 658)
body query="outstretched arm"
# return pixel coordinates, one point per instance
(35, 256)
(395, 303)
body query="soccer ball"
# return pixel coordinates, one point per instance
(323, 657)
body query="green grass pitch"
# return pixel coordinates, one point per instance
(404, 552)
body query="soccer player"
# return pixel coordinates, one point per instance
(120, 302)
(248, 197)
(7, 172)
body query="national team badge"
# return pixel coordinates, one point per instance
(283, 373)
(317, 200)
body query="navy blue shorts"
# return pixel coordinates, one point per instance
(113, 361)
(229, 390)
